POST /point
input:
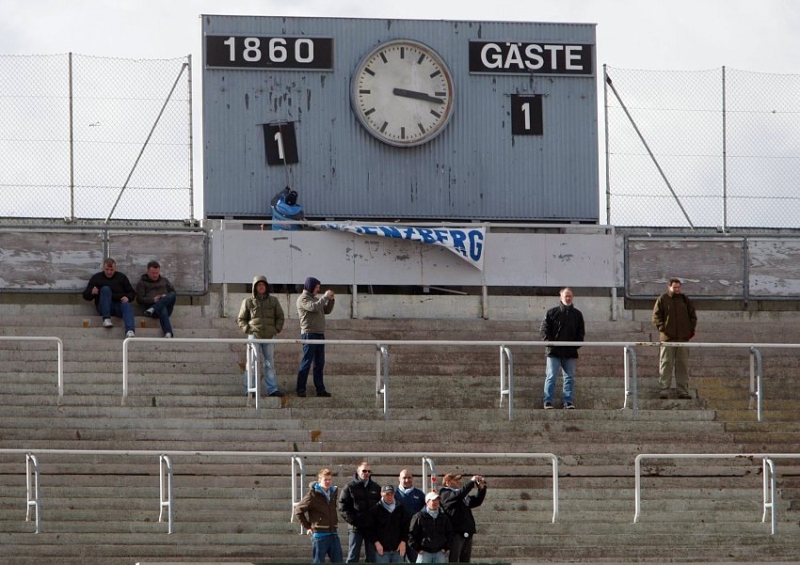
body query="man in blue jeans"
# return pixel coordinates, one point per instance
(112, 294)
(157, 295)
(261, 317)
(562, 323)
(312, 309)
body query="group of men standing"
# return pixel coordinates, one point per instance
(394, 524)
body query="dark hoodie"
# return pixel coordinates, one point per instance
(261, 314)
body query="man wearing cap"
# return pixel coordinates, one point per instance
(413, 500)
(430, 532)
(312, 309)
(458, 503)
(388, 528)
(358, 498)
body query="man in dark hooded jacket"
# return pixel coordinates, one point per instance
(357, 499)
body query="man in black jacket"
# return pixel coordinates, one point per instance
(458, 503)
(430, 532)
(388, 528)
(357, 499)
(112, 294)
(562, 323)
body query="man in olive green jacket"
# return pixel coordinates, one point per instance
(676, 320)
(261, 317)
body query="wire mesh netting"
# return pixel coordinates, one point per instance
(92, 137)
(717, 148)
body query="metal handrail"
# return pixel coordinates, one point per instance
(631, 380)
(251, 369)
(165, 490)
(756, 372)
(382, 376)
(769, 486)
(383, 345)
(298, 485)
(507, 373)
(59, 346)
(295, 458)
(32, 488)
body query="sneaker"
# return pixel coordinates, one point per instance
(664, 394)
(548, 405)
(276, 393)
(301, 394)
(167, 335)
(324, 393)
(569, 406)
(107, 323)
(130, 333)
(150, 312)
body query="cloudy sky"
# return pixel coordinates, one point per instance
(631, 34)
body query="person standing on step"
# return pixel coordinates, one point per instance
(312, 309)
(676, 320)
(430, 532)
(112, 294)
(157, 295)
(317, 513)
(413, 500)
(458, 504)
(358, 497)
(561, 323)
(261, 317)
(388, 528)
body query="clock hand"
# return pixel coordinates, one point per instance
(417, 95)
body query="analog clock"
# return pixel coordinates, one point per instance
(402, 93)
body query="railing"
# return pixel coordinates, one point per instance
(298, 472)
(60, 347)
(768, 468)
(506, 361)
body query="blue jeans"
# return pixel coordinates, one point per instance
(389, 557)
(567, 365)
(355, 538)
(106, 308)
(266, 351)
(163, 310)
(313, 353)
(426, 557)
(326, 545)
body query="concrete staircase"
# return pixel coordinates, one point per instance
(187, 397)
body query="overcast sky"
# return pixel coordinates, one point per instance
(643, 34)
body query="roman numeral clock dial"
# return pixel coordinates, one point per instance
(402, 93)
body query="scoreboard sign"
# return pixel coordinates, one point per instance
(410, 119)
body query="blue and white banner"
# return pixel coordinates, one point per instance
(467, 243)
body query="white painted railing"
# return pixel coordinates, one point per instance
(59, 346)
(768, 469)
(297, 462)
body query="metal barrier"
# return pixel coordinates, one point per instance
(298, 474)
(60, 348)
(768, 468)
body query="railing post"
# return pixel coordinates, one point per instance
(165, 490)
(428, 463)
(382, 376)
(60, 345)
(768, 475)
(251, 365)
(32, 487)
(637, 496)
(298, 486)
(554, 460)
(507, 376)
(756, 381)
(631, 380)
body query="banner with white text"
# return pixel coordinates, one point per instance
(467, 243)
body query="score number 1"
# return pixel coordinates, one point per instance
(526, 114)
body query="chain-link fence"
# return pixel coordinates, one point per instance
(95, 138)
(717, 148)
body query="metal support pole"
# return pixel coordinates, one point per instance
(165, 490)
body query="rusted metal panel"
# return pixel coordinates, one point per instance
(710, 267)
(774, 266)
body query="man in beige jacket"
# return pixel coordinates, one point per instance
(312, 309)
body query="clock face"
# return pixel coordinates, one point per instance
(402, 93)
